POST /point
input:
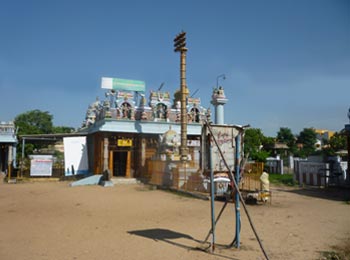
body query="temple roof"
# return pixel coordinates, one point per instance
(141, 127)
(7, 132)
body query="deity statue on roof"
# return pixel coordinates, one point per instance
(218, 92)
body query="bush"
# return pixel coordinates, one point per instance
(285, 179)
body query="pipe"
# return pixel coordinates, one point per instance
(216, 221)
(9, 163)
(22, 160)
(348, 146)
(237, 178)
(212, 196)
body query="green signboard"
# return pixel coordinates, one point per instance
(123, 84)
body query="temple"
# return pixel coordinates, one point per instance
(127, 134)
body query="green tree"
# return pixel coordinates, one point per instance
(63, 129)
(336, 142)
(34, 122)
(285, 135)
(253, 144)
(268, 144)
(307, 138)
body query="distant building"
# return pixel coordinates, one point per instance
(280, 148)
(8, 143)
(321, 136)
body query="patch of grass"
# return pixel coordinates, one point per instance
(330, 255)
(346, 199)
(339, 252)
(335, 255)
(284, 179)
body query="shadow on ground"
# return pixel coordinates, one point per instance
(329, 193)
(167, 236)
(160, 234)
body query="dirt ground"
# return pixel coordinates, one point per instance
(54, 221)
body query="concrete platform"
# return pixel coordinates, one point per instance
(121, 180)
(91, 180)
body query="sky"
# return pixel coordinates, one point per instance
(287, 63)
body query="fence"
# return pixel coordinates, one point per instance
(24, 170)
(320, 174)
(192, 179)
(311, 173)
(175, 175)
(275, 165)
(251, 176)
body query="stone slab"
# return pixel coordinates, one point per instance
(91, 180)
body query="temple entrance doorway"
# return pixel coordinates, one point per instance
(3, 158)
(120, 163)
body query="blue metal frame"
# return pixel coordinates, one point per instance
(212, 196)
(237, 177)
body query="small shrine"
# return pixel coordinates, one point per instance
(169, 146)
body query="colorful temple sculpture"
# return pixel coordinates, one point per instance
(121, 105)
